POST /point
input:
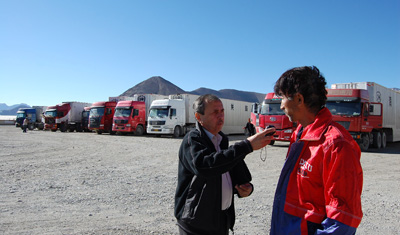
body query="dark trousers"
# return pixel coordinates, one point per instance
(224, 229)
(24, 128)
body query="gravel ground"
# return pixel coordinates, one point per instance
(84, 183)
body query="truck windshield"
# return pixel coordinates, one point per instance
(97, 112)
(51, 113)
(271, 109)
(85, 114)
(158, 112)
(344, 108)
(21, 115)
(122, 112)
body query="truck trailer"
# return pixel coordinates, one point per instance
(175, 115)
(369, 111)
(101, 116)
(35, 117)
(66, 116)
(270, 113)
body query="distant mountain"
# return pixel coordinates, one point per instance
(158, 85)
(11, 110)
(154, 85)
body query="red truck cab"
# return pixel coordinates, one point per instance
(363, 119)
(270, 113)
(54, 117)
(130, 117)
(101, 116)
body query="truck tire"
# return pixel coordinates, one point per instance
(99, 132)
(177, 131)
(31, 126)
(383, 140)
(272, 142)
(63, 128)
(377, 142)
(364, 144)
(79, 128)
(139, 130)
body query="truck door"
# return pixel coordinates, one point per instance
(375, 115)
(108, 119)
(372, 117)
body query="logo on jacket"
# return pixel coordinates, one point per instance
(304, 169)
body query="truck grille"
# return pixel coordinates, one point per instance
(50, 121)
(153, 123)
(120, 121)
(345, 124)
(94, 122)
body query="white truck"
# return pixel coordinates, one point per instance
(379, 118)
(175, 115)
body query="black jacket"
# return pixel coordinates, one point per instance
(198, 193)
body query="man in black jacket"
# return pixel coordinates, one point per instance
(210, 172)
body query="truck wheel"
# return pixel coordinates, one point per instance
(79, 128)
(364, 144)
(139, 130)
(377, 142)
(99, 132)
(272, 142)
(177, 131)
(63, 128)
(31, 126)
(383, 140)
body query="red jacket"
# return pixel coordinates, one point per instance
(326, 180)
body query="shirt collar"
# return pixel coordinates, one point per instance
(219, 137)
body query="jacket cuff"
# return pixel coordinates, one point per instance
(249, 145)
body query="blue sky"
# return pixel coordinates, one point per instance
(54, 51)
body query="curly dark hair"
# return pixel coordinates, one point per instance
(307, 81)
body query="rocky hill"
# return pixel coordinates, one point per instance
(158, 85)
(154, 85)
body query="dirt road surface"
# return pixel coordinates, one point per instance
(84, 183)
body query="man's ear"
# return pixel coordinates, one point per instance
(198, 117)
(300, 98)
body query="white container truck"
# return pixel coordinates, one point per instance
(175, 115)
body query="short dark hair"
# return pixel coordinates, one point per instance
(199, 104)
(307, 81)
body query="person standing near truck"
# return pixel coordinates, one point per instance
(25, 124)
(210, 172)
(319, 189)
(251, 130)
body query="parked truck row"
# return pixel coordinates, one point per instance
(142, 113)
(369, 111)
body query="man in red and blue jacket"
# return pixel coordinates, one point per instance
(319, 189)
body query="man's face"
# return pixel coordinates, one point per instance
(290, 106)
(213, 118)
